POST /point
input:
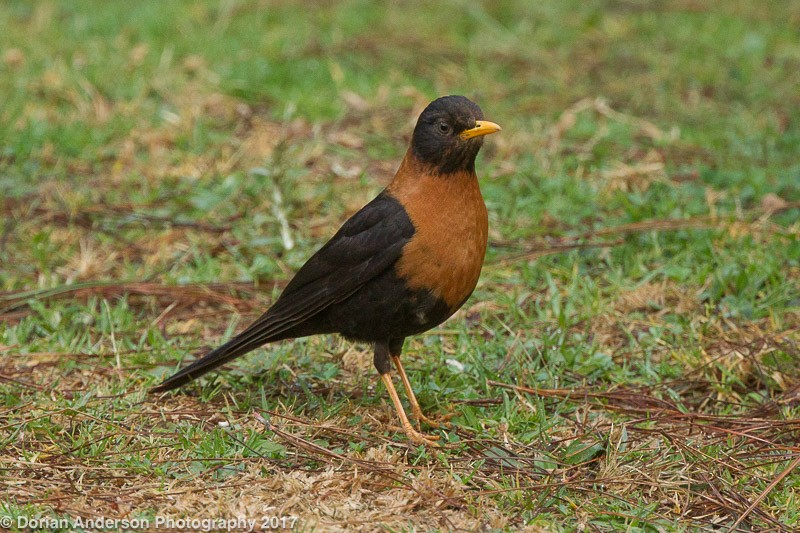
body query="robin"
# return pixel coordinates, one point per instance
(401, 265)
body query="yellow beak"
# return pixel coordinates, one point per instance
(482, 127)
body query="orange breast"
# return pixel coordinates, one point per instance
(446, 253)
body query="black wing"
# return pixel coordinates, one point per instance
(369, 243)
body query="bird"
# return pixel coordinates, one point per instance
(401, 265)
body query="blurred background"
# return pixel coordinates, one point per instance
(166, 166)
(173, 106)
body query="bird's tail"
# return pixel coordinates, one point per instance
(259, 333)
(288, 318)
(215, 358)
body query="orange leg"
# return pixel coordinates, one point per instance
(415, 409)
(413, 435)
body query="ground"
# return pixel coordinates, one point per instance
(629, 360)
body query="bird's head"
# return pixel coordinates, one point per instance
(449, 134)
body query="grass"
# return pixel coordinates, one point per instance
(629, 359)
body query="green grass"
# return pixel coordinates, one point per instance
(629, 359)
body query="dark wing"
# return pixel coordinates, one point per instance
(369, 243)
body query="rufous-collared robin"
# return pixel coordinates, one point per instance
(401, 265)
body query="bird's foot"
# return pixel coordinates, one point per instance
(443, 421)
(420, 438)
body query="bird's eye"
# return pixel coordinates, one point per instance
(443, 128)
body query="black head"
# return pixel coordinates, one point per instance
(449, 134)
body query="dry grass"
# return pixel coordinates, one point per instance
(662, 442)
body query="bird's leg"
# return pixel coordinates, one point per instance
(413, 435)
(384, 367)
(416, 411)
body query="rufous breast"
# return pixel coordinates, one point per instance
(446, 254)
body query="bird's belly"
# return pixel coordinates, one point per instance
(383, 309)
